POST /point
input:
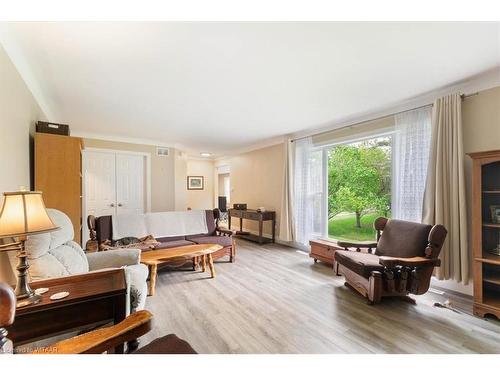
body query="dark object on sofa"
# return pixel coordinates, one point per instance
(169, 344)
(99, 340)
(403, 261)
(223, 208)
(220, 236)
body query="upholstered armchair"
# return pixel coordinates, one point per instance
(399, 263)
(55, 254)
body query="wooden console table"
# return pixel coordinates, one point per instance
(94, 298)
(255, 216)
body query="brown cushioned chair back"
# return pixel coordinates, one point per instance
(437, 236)
(404, 239)
(103, 228)
(210, 222)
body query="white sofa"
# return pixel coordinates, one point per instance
(55, 254)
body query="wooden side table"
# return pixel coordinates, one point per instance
(323, 250)
(94, 298)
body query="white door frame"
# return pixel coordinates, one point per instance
(147, 188)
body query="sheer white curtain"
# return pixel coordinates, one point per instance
(308, 191)
(410, 155)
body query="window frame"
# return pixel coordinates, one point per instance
(325, 147)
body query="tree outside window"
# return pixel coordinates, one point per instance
(359, 187)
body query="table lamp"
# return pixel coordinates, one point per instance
(23, 213)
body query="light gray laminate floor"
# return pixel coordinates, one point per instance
(274, 299)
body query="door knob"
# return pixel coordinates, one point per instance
(119, 204)
(112, 205)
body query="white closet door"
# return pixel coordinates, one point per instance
(100, 184)
(129, 183)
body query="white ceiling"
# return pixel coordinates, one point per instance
(221, 87)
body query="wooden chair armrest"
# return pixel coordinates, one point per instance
(358, 244)
(410, 262)
(103, 339)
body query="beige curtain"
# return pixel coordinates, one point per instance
(444, 199)
(286, 217)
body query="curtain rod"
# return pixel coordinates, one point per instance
(463, 96)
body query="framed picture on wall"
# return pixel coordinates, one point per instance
(195, 182)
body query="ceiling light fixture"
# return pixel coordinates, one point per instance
(205, 154)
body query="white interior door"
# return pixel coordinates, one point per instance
(100, 185)
(129, 183)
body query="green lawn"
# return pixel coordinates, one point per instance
(343, 227)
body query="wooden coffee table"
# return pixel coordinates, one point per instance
(154, 258)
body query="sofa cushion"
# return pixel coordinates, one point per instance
(219, 240)
(45, 267)
(170, 244)
(210, 226)
(361, 263)
(55, 254)
(65, 233)
(38, 245)
(404, 239)
(168, 239)
(72, 257)
(129, 225)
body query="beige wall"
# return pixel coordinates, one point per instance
(181, 193)
(257, 180)
(19, 112)
(481, 121)
(200, 199)
(162, 171)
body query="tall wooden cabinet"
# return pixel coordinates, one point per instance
(486, 232)
(58, 175)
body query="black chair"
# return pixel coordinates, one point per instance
(223, 208)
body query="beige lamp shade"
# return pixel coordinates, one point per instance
(23, 213)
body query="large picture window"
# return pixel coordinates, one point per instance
(359, 187)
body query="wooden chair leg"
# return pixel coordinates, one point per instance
(232, 253)
(203, 263)
(211, 265)
(376, 285)
(152, 279)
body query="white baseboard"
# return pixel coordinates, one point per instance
(268, 235)
(453, 286)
